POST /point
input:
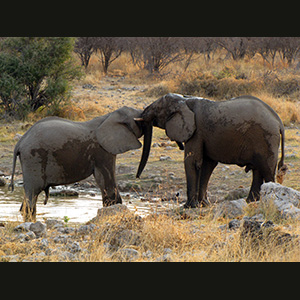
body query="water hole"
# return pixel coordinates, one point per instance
(77, 209)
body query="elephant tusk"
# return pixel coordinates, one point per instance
(138, 119)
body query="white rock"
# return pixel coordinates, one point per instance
(286, 199)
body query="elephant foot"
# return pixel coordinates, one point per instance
(253, 197)
(196, 204)
(110, 202)
(29, 215)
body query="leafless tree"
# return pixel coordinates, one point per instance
(267, 47)
(289, 48)
(84, 48)
(109, 49)
(236, 46)
(194, 46)
(155, 53)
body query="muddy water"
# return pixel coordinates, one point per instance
(78, 209)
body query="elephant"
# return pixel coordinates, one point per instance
(57, 151)
(243, 131)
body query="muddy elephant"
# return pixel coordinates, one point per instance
(56, 151)
(244, 131)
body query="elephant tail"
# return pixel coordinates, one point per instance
(11, 186)
(282, 168)
(281, 162)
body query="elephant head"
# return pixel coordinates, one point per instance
(171, 113)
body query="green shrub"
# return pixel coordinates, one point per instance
(35, 72)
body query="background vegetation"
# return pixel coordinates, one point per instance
(37, 73)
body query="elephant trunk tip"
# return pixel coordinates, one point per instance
(147, 128)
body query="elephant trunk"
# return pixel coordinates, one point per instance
(147, 128)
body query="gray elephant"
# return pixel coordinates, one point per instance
(244, 131)
(56, 151)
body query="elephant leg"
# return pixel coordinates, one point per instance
(207, 168)
(28, 207)
(105, 178)
(257, 181)
(46, 194)
(193, 166)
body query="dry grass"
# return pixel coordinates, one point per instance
(217, 79)
(165, 238)
(159, 238)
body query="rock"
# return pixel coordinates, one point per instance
(50, 223)
(234, 224)
(148, 254)
(129, 254)
(237, 194)
(30, 235)
(74, 247)
(123, 169)
(85, 229)
(286, 200)
(125, 238)
(66, 230)
(10, 258)
(44, 244)
(2, 181)
(158, 179)
(230, 209)
(38, 228)
(127, 186)
(256, 234)
(63, 193)
(112, 210)
(23, 227)
(89, 86)
(61, 239)
(163, 158)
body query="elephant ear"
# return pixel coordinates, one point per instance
(119, 133)
(181, 126)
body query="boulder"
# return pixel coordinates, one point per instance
(38, 228)
(110, 211)
(230, 209)
(23, 227)
(285, 199)
(237, 194)
(255, 234)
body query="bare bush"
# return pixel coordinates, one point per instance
(155, 53)
(108, 50)
(84, 48)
